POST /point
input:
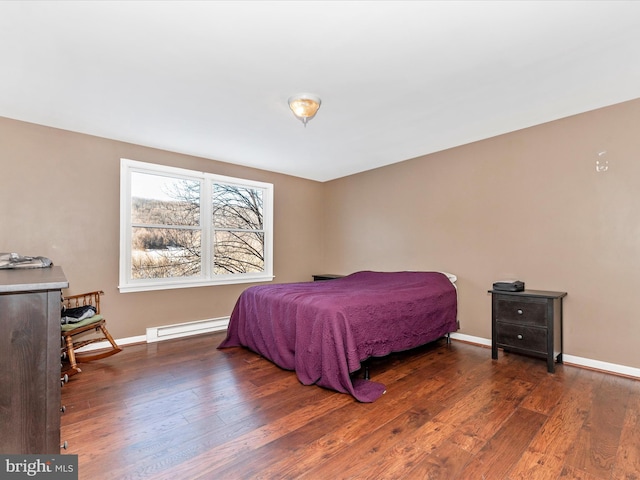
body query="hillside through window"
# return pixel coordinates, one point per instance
(183, 228)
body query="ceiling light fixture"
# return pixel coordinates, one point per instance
(304, 106)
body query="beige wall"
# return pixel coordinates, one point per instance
(527, 204)
(59, 193)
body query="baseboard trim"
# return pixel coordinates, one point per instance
(471, 339)
(167, 332)
(106, 345)
(591, 364)
(615, 369)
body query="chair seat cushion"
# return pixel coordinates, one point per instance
(87, 321)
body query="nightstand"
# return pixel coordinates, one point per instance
(325, 276)
(527, 322)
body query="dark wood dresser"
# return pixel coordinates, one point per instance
(30, 360)
(527, 322)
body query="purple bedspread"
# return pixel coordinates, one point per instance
(324, 330)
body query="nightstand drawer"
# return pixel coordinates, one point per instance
(524, 311)
(525, 338)
(528, 322)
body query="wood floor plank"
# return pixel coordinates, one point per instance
(446, 461)
(548, 451)
(355, 420)
(505, 448)
(473, 434)
(232, 450)
(386, 454)
(573, 473)
(420, 449)
(596, 447)
(359, 435)
(183, 410)
(544, 398)
(627, 462)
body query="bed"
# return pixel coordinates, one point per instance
(325, 330)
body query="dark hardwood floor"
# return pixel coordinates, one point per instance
(182, 410)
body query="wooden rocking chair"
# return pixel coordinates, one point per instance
(96, 323)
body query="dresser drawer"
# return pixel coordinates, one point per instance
(521, 337)
(524, 311)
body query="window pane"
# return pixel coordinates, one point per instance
(165, 253)
(238, 252)
(173, 220)
(237, 207)
(160, 200)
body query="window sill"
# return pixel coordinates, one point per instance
(169, 285)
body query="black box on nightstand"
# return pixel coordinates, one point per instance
(509, 286)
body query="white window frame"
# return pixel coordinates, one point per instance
(207, 277)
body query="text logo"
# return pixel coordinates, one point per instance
(45, 467)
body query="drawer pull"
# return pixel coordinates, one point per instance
(519, 312)
(519, 337)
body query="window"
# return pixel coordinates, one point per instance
(182, 228)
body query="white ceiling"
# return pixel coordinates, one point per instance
(397, 79)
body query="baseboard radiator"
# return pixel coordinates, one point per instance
(167, 332)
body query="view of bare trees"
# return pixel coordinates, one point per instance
(237, 223)
(167, 237)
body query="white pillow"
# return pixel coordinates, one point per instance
(452, 278)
